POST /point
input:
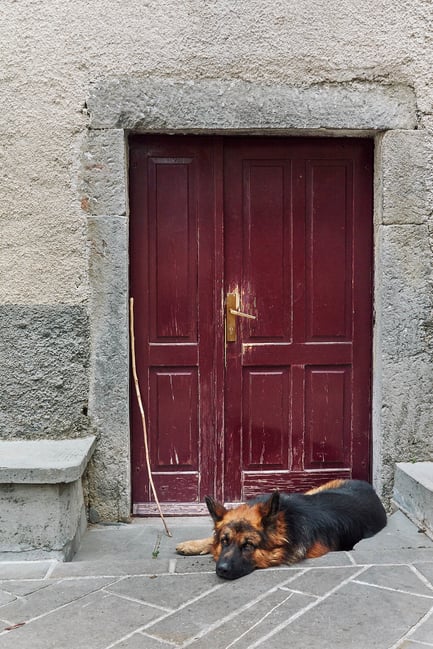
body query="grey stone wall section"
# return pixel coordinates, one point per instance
(103, 195)
(103, 185)
(109, 469)
(221, 104)
(403, 348)
(44, 379)
(406, 167)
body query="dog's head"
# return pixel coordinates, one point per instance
(247, 537)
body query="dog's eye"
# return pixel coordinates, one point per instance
(224, 540)
(248, 547)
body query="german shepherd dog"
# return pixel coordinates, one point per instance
(277, 529)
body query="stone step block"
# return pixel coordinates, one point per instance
(42, 512)
(413, 493)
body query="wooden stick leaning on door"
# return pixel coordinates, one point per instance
(143, 417)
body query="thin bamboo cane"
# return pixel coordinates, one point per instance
(140, 406)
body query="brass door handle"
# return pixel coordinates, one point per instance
(243, 315)
(232, 312)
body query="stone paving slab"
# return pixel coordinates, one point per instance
(140, 539)
(55, 595)
(158, 591)
(119, 568)
(353, 617)
(424, 632)
(90, 622)
(25, 569)
(259, 618)
(405, 579)
(117, 594)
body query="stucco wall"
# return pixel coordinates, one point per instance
(54, 55)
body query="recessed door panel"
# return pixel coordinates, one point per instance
(328, 417)
(265, 418)
(329, 250)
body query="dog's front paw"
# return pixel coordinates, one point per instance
(191, 548)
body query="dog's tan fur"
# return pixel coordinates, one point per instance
(196, 547)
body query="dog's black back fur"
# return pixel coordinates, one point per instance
(337, 518)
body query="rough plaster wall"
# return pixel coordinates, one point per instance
(52, 52)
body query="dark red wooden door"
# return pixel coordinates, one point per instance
(298, 254)
(172, 243)
(284, 227)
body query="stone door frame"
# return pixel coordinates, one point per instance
(386, 113)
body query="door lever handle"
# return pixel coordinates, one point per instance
(232, 312)
(240, 314)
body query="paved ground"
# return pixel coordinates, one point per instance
(117, 594)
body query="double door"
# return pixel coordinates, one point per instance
(251, 270)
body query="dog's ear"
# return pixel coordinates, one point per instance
(216, 509)
(270, 509)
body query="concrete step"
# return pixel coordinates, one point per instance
(413, 493)
(42, 512)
